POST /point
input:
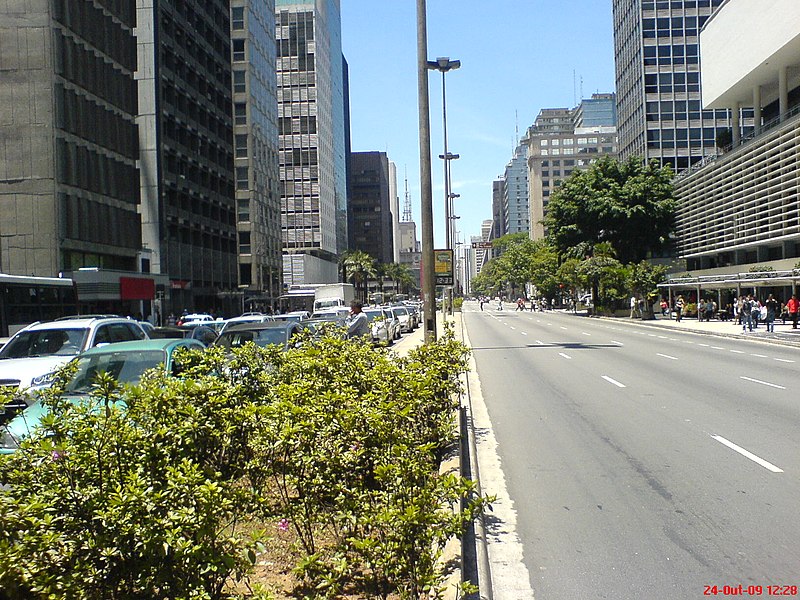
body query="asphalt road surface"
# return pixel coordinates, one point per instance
(641, 462)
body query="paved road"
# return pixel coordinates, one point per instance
(641, 463)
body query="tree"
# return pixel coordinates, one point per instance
(358, 266)
(643, 279)
(630, 205)
(604, 273)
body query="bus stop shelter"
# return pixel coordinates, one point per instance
(747, 282)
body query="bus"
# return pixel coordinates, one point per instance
(24, 300)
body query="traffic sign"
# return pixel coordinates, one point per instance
(481, 244)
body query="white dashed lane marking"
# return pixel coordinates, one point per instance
(772, 385)
(613, 381)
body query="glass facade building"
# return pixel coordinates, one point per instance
(185, 123)
(657, 55)
(255, 130)
(516, 214)
(311, 124)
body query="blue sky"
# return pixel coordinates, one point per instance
(517, 57)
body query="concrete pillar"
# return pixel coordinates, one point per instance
(757, 109)
(735, 125)
(783, 93)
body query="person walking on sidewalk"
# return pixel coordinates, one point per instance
(793, 307)
(634, 306)
(772, 311)
(746, 314)
(679, 308)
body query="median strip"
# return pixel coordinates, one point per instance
(767, 465)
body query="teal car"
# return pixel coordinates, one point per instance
(125, 361)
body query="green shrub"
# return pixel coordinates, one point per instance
(146, 498)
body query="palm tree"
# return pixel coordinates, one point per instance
(392, 271)
(358, 266)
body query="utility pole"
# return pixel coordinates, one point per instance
(426, 190)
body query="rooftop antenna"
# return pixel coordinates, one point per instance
(407, 203)
(574, 90)
(516, 129)
(581, 87)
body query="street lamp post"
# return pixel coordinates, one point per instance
(426, 194)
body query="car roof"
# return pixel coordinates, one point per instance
(264, 325)
(76, 322)
(165, 344)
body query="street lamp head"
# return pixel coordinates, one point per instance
(449, 156)
(444, 64)
(455, 195)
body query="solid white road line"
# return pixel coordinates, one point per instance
(614, 381)
(774, 385)
(567, 356)
(767, 465)
(666, 356)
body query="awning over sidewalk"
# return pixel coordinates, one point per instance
(734, 280)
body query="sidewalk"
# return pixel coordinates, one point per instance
(783, 335)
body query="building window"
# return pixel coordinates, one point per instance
(243, 210)
(238, 50)
(244, 242)
(237, 17)
(241, 146)
(239, 85)
(242, 178)
(240, 113)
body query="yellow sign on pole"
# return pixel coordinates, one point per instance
(443, 266)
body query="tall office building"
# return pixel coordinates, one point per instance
(69, 184)
(186, 150)
(559, 142)
(656, 48)
(516, 214)
(498, 216)
(312, 139)
(394, 205)
(370, 202)
(255, 130)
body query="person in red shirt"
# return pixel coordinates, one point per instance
(793, 306)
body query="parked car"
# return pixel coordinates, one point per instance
(405, 319)
(383, 326)
(125, 361)
(280, 333)
(32, 355)
(329, 322)
(338, 312)
(195, 317)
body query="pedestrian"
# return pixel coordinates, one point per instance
(709, 310)
(634, 305)
(482, 300)
(679, 304)
(357, 323)
(746, 314)
(772, 310)
(664, 307)
(755, 310)
(793, 306)
(520, 304)
(499, 303)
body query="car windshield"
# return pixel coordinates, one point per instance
(45, 342)
(261, 337)
(125, 367)
(374, 314)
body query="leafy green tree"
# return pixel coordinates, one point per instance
(605, 274)
(642, 279)
(628, 204)
(569, 275)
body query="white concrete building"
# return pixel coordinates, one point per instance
(741, 207)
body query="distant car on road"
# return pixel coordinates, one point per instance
(280, 333)
(125, 361)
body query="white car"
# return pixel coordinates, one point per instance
(248, 318)
(35, 353)
(382, 327)
(402, 315)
